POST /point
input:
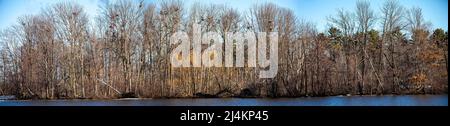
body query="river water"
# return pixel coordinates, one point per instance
(386, 100)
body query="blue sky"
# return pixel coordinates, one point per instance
(434, 11)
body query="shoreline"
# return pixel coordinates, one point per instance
(159, 98)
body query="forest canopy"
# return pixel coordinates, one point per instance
(124, 52)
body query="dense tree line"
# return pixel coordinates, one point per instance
(124, 52)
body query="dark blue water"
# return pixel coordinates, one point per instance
(406, 100)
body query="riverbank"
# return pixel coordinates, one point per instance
(386, 100)
(223, 93)
(12, 97)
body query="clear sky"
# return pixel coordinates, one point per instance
(434, 11)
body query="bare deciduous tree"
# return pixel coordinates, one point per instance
(124, 52)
